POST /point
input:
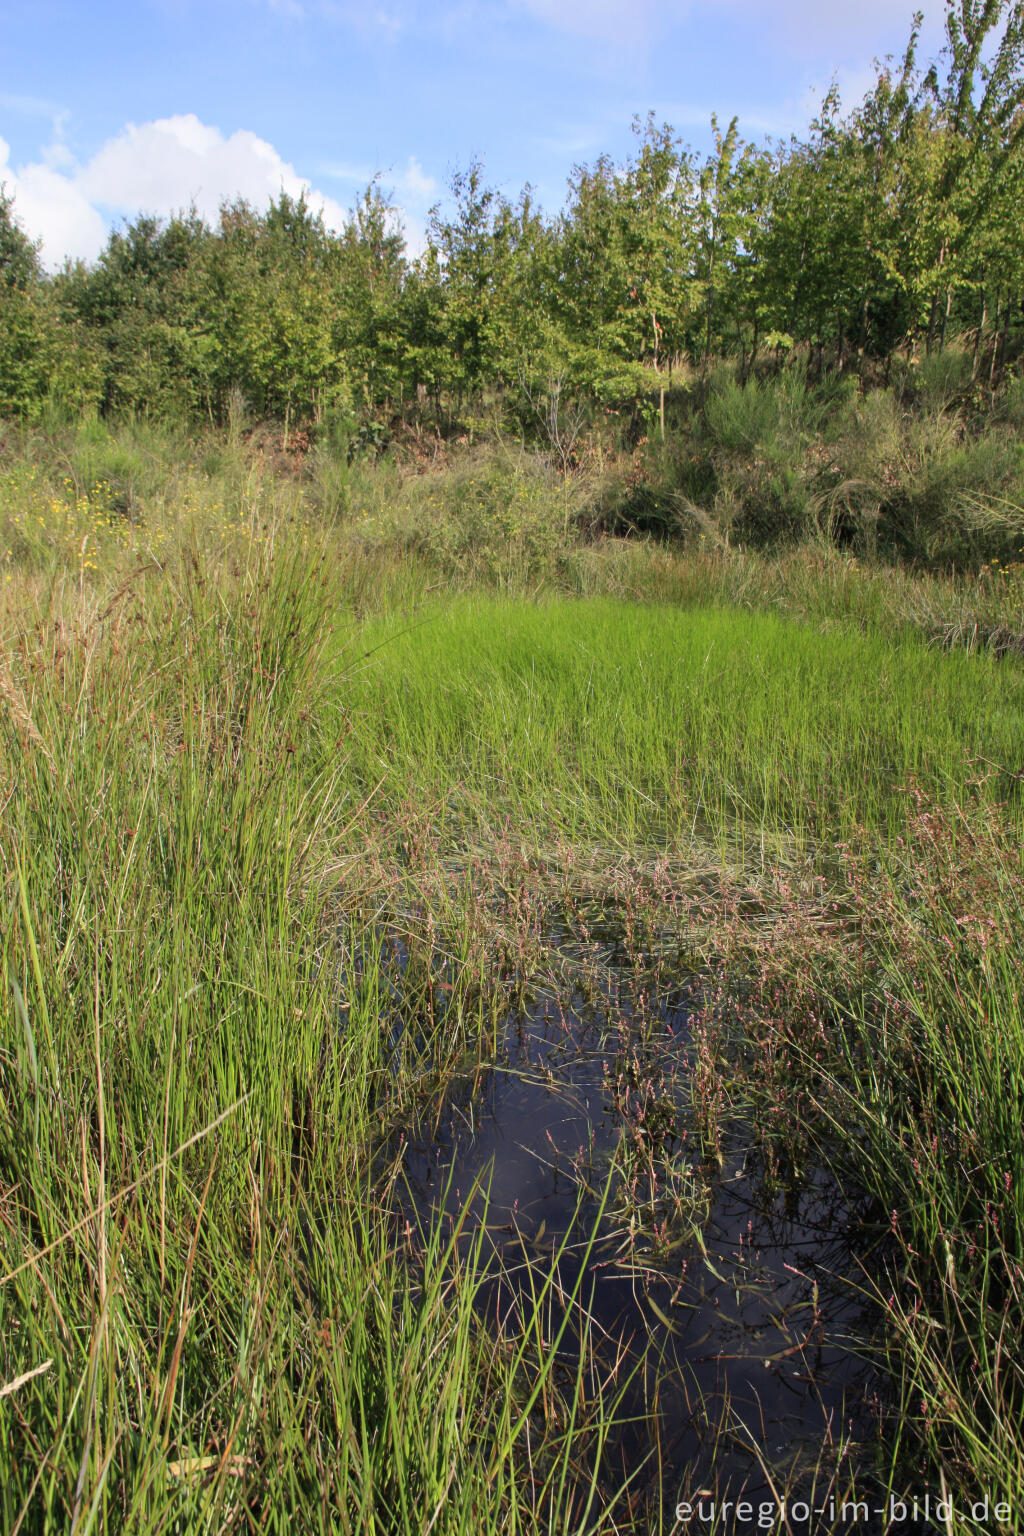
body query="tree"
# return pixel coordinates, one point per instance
(41, 357)
(368, 272)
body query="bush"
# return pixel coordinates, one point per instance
(769, 456)
(947, 481)
(488, 519)
(943, 378)
(743, 417)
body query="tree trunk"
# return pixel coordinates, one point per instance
(1005, 337)
(711, 297)
(661, 390)
(934, 314)
(945, 318)
(995, 346)
(978, 336)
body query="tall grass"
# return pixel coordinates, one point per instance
(944, 1122)
(887, 1030)
(209, 1319)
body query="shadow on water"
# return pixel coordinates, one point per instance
(733, 1296)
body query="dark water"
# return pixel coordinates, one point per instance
(756, 1335)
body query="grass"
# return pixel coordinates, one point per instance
(892, 1039)
(241, 731)
(624, 724)
(948, 1010)
(192, 1240)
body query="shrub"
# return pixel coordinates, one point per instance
(934, 511)
(943, 378)
(505, 523)
(742, 418)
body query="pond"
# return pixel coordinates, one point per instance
(734, 1292)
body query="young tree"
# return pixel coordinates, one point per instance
(368, 270)
(42, 357)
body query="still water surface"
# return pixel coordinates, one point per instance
(751, 1310)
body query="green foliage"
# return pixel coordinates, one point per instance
(744, 417)
(43, 362)
(508, 525)
(894, 224)
(25, 352)
(19, 255)
(944, 378)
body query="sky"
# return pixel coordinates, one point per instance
(112, 108)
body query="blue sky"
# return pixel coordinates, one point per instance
(110, 109)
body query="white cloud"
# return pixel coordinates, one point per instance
(29, 106)
(412, 182)
(415, 193)
(50, 205)
(156, 167)
(357, 175)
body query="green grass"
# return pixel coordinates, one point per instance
(627, 723)
(943, 1145)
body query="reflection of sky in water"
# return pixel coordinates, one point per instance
(744, 1331)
